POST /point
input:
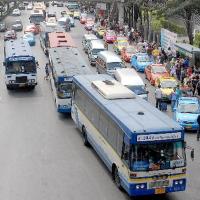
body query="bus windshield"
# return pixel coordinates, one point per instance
(64, 90)
(24, 67)
(160, 156)
(36, 19)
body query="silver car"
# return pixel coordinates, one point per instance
(17, 25)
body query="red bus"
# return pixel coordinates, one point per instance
(60, 39)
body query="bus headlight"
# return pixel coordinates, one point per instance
(181, 182)
(140, 186)
(137, 187)
(176, 182)
(32, 80)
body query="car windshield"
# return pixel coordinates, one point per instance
(64, 90)
(84, 15)
(114, 65)
(143, 59)
(28, 35)
(168, 84)
(188, 108)
(96, 51)
(130, 50)
(17, 67)
(159, 69)
(62, 23)
(137, 89)
(159, 156)
(123, 43)
(110, 33)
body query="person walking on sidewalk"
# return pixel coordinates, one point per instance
(158, 96)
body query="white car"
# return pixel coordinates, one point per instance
(30, 7)
(16, 12)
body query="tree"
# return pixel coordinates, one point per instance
(184, 9)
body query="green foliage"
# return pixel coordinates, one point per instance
(173, 27)
(158, 22)
(197, 40)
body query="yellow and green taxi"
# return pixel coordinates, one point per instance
(100, 32)
(120, 43)
(77, 14)
(67, 13)
(168, 84)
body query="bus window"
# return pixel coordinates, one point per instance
(64, 90)
(21, 67)
(160, 156)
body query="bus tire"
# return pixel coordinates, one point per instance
(116, 177)
(9, 87)
(32, 87)
(85, 138)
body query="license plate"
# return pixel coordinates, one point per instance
(159, 190)
(188, 127)
(22, 84)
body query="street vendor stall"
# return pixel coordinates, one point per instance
(190, 51)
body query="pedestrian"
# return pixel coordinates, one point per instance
(158, 96)
(46, 71)
(178, 92)
(173, 99)
(106, 45)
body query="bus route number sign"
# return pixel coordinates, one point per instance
(158, 137)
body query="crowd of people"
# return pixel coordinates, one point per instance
(179, 67)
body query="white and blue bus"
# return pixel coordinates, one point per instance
(65, 62)
(142, 147)
(20, 65)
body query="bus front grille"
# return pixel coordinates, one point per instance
(21, 79)
(158, 184)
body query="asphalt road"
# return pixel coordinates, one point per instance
(42, 156)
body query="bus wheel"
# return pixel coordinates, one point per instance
(85, 139)
(32, 87)
(116, 177)
(9, 87)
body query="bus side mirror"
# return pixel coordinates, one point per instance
(4, 63)
(37, 63)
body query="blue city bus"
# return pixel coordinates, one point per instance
(65, 62)
(142, 147)
(20, 65)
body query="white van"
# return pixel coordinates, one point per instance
(130, 78)
(95, 47)
(86, 39)
(107, 62)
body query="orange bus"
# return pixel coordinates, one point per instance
(60, 39)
